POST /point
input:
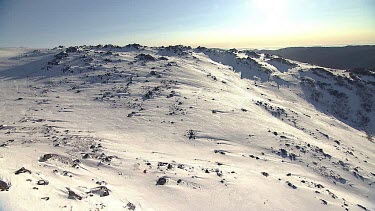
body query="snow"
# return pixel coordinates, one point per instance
(209, 120)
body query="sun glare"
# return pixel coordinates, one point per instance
(266, 18)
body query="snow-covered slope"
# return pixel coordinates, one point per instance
(177, 128)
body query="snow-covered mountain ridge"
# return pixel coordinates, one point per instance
(181, 128)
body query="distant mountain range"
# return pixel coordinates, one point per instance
(348, 57)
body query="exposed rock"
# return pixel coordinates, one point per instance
(191, 134)
(145, 57)
(45, 198)
(61, 55)
(265, 174)
(46, 157)
(363, 207)
(72, 49)
(291, 185)
(22, 170)
(101, 191)
(163, 58)
(42, 182)
(86, 156)
(219, 151)
(73, 195)
(4, 186)
(130, 206)
(162, 181)
(135, 46)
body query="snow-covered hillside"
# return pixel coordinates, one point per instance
(180, 128)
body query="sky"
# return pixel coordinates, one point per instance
(210, 23)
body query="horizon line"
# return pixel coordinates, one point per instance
(195, 46)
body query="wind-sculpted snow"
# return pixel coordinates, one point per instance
(344, 96)
(247, 67)
(179, 128)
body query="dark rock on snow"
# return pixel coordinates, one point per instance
(22, 170)
(161, 181)
(4, 186)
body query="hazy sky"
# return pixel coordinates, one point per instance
(211, 23)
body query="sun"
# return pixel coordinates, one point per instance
(267, 18)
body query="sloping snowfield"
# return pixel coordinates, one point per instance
(175, 128)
